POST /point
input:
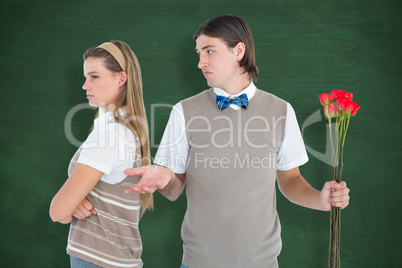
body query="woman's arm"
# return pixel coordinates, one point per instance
(81, 181)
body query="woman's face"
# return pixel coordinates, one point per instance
(102, 86)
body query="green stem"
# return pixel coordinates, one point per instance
(332, 147)
(335, 154)
(335, 231)
(342, 125)
(341, 145)
(346, 130)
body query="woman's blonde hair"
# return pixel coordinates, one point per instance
(131, 97)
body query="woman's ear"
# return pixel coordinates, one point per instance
(123, 78)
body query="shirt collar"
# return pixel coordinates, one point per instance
(249, 91)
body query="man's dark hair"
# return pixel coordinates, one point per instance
(232, 29)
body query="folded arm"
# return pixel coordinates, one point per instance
(71, 195)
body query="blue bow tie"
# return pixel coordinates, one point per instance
(224, 102)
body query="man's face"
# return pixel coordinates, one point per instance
(218, 63)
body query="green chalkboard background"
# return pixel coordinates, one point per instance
(303, 48)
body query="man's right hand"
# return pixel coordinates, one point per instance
(153, 178)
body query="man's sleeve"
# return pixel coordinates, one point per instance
(173, 149)
(292, 152)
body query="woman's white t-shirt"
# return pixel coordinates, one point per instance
(109, 148)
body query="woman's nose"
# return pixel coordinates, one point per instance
(85, 86)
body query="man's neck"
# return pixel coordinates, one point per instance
(238, 86)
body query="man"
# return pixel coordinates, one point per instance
(229, 158)
(229, 153)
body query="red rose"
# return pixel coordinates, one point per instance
(338, 94)
(351, 108)
(342, 104)
(325, 98)
(331, 110)
(347, 106)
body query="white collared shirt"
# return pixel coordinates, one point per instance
(174, 147)
(109, 148)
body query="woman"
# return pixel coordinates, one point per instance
(118, 140)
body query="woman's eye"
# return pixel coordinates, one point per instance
(210, 51)
(94, 76)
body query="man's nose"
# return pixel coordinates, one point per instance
(202, 62)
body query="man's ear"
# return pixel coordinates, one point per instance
(239, 50)
(123, 78)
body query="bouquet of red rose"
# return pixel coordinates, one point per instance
(338, 105)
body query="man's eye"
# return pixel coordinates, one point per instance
(210, 51)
